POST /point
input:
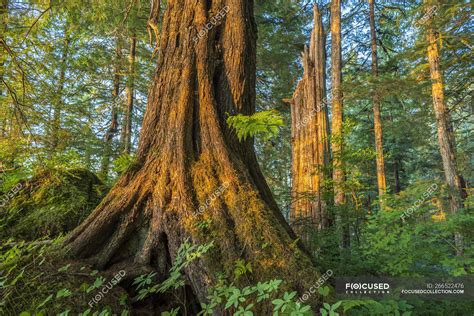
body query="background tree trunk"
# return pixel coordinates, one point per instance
(310, 147)
(3, 30)
(113, 126)
(58, 99)
(381, 183)
(126, 136)
(441, 113)
(3, 54)
(322, 113)
(337, 137)
(187, 154)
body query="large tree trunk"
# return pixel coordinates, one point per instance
(126, 136)
(113, 126)
(337, 137)
(381, 183)
(441, 113)
(187, 154)
(310, 147)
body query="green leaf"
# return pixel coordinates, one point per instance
(63, 293)
(324, 291)
(49, 298)
(336, 305)
(64, 268)
(265, 124)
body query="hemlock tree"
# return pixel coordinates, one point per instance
(337, 137)
(446, 147)
(381, 183)
(186, 153)
(113, 125)
(126, 136)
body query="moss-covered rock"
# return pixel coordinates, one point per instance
(51, 203)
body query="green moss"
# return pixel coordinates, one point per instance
(38, 283)
(243, 227)
(51, 203)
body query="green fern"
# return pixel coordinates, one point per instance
(265, 124)
(123, 162)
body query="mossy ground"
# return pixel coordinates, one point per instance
(51, 203)
(34, 281)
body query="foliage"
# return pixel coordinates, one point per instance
(61, 57)
(52, 202)
(123, 163)
(187, 253)
(35, 282)
(264, 124)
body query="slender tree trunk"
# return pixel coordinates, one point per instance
(186, 155)
(3, 30)
(3, 54)
(441, 113)
(113, 126)
(58, 100)
(381, 183)
(310, 147)
(337, 137)
(87, 145)
(126, 137)
(319, 49)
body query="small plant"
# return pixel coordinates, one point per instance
(204, 224)
(173, 312)
(265, 124)
(241, 268)
(187, 253)
(123, 162)
(144, 280)
(97, 283)
(330, 310)
(63, 293)
(242, 301)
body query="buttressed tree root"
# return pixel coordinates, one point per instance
(186, 153)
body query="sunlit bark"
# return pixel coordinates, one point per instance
(186, 153)
(381, 183)
(126, 135)
(337, 137)
(441, 113)
(310, 147)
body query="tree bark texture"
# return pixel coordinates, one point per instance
(381, 183)
(3, 54)
(126, 136)
(187, 153)
(58, 99)
(113, 126)
(337, 137)
(310, 144)
(441, 112)
(337, 103)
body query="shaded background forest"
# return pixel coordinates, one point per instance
(74, 79)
